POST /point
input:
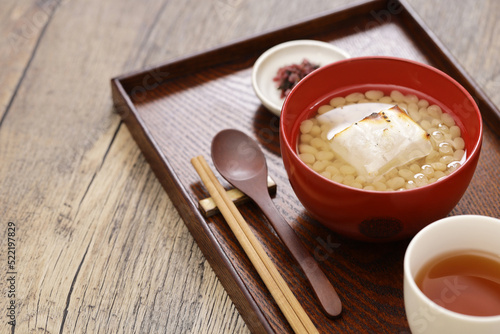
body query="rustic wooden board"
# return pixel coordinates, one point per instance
(174, 110)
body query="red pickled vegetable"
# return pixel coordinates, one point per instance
(288, 76)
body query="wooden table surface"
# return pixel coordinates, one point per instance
(99, 247)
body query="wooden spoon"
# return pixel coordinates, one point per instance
(240, 161)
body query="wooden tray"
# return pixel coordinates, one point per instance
(174, 110)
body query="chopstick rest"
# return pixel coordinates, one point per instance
(207, 205)
(287, 302)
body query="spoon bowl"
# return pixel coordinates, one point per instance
(239, 158)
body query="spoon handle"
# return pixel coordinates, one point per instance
(322, 287)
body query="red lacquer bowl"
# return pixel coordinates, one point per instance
(373, 215)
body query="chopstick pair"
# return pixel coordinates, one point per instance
(288, 304)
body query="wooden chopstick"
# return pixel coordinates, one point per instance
(289, 305)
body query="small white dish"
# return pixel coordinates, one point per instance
(293, 52)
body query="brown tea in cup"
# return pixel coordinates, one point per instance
(466, 282)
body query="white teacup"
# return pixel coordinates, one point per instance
(447, 235)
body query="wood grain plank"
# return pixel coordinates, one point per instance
(22, 25)
(126, 284)
(49, 167)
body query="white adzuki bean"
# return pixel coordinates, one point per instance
(435, 143)
(374, 94)
(425, 124)
(445, 148)
(337, 101)
(338, 163)
(315, 130)
(406, 174)
(338, 178)
(323, 109)
(439, 174)
(427, 170)
(392, 173)
(308, 158)
(435, 123)
(380, 186)
(304, 148)
(386, 99)
(306, 126)
(411, 98)
(412, 108)
(459, 154)
(326, 174)
(431, 157)
(437, 135)
(397, 96)
(455, 131)
(446, 159)
(452, 166)
(447, 119)
(396, 182)
(423, 103)
(423, 113)
(319, 166)
(325, 127)
(438, 166)
(318, 143)
(361, 179)
(444, 128)
(415, 115)
(348, 179)
(459, 143)
(403, 106)
(411, 185)
(434, 111)
(347, 170)
(325, 155)
(356, 185)
(332, 169)
(421, 180)
(355, 97)
(306, 139)
(415, 168)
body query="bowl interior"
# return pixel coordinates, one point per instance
(386, 74)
